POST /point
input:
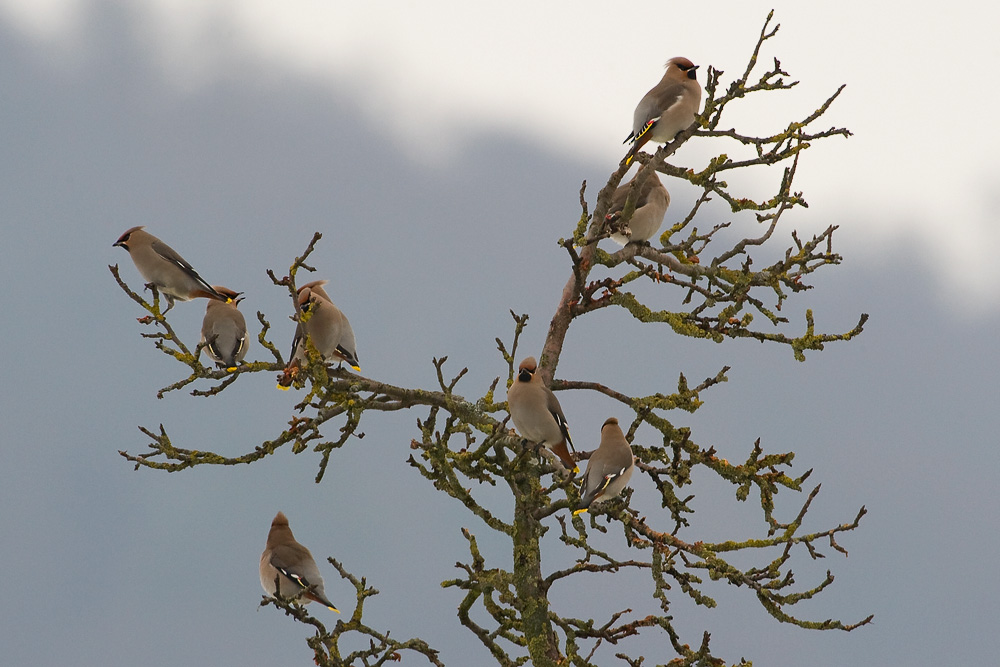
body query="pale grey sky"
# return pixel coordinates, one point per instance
(234, 132)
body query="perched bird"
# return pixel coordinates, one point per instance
(537, 414)
(669, 107)
(160, 265)
(609, 468)
(224, 331)
(651, 204)
(329, 330)
(317, 288)
(288, 564)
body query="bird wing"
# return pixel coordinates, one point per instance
(348, 357)
(168, 253)
(620, 196)
(211, 343)
(282, 557)
(296, 578)
(296, 341)
(600, 485)
(643, 132)
(347, 348)
(618, 200)
(233, 332)
(655, 104)
(557, 413)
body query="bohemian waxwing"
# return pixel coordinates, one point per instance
(609, 468)
(669, 107)
(224, 331)
(160, 265)
(537, 414)
(327, 327)
(285, 381)
(317, 288)
(651, 205)
(290, 564)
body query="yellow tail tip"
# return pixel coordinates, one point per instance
(334, 609)
(357, 368)
(575, 512)
(282, 387)
(231, 369)
(576, 469)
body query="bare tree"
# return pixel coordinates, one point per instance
(462, 441)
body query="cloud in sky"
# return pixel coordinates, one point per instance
(569, 73)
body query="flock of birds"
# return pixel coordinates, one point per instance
(286, 567)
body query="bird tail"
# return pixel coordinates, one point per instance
(582, 506)
(210, 292)
(631, 154)
(319, 597)
(562, 452)
(351, 360)
(639, 140)
(587, 499)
